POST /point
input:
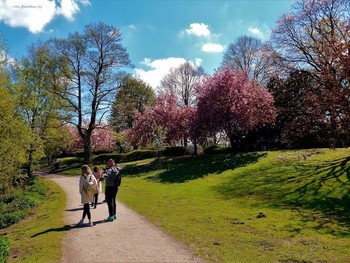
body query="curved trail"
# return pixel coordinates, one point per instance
(131, 238)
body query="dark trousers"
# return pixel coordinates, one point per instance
(111, 194)
(95, 200)
(86, 211)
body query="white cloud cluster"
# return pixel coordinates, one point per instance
(212, 48)
(35, 14)
(159, 68)
(201, 29)
(198, 29)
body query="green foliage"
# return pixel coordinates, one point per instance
(4, 249)
(39, 237)
(133, 95)
(216, 149)
(67, 163)
(211, 203)
(18, 203)
(127, 157)
(173, 151)
(55, 139)
(14, 141)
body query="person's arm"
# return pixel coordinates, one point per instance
(81, 185)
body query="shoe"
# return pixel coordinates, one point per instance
(114, 217)
(81, 223)
(90, 224)
(109, 219)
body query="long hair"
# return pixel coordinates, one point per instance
(86, 169)
(97, 170)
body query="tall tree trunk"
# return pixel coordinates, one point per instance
(120, 147)
(232, 142)
(87, 149)
(195, 148)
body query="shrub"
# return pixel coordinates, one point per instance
(173, 151)
(11, 218)
(78, 154)
(17, 204)
(67, 163)
(127, 157)
(4, 249)
(216, 149)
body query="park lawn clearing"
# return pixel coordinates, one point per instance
(211, 204)
(38, 238)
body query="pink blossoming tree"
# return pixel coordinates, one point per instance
(165, 115)
(228, 102)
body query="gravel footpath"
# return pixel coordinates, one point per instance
(130, 238)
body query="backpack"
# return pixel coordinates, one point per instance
(90, 187)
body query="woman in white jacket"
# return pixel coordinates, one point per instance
(87, 189)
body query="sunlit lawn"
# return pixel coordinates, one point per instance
(211, 204)
(38, 238)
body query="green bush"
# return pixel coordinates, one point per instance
(4, 249)
(17, 204)
(173, 151)
(216, 149)
(127, 157)
(67, 163)
(11, 218)
(78, 154)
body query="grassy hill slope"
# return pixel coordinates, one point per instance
(211, 204)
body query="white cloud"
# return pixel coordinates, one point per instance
(198, 29)
(35, 14)
(255, 31)
(260, 33)
(212, 48)
(159, 68)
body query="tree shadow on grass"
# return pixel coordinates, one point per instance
(321, 190)
(58, 229)
(191, 168)
(180, 170)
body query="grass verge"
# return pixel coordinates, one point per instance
(211, 204)
(38, 238)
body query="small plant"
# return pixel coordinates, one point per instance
(4, 249)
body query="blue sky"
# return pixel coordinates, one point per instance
(158, 34)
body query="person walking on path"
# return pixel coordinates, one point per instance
(87, 189)
(113, 180)
(98, 174)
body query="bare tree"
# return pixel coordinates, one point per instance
(251, 55)
(181, 82)
(91, 63)
(315, 37)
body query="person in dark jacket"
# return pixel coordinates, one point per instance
(113, 180)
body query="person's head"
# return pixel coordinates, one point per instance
(110, 163)
(97, 169)
(86, 169)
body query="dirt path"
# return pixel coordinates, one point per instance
(131, 238)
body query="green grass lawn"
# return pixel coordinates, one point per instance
(211, 204)
(38, 238)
